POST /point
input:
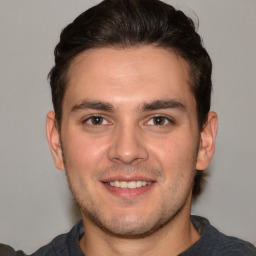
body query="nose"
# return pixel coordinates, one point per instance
(127, 146)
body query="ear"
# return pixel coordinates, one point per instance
(207, 142)
(53, 138)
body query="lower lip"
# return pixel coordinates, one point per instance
(128, 192)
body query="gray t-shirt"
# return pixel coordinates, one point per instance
(211, 243)
(215, 243)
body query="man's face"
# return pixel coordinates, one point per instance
(130, 137)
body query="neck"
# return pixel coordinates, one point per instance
(174, 238)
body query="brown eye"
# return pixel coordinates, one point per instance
(159, 120)
(96, 120)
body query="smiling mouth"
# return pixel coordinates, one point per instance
(128, 184)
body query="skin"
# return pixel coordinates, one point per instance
(129, 115)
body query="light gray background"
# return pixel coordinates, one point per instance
(34, 198)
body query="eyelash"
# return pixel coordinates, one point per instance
(167, 121)
(90, 118)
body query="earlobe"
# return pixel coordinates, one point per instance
(207, 142)
(53, 138)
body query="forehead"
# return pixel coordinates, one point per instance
(124, 75)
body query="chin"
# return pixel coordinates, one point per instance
(131, 226)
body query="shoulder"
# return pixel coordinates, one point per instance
(48, 250)
(228, 245)
(215, 243)
(64, 245)
(6, 250)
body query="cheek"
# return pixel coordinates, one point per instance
(175, 153)
(83, 152)
(83, 157)
(174, 148)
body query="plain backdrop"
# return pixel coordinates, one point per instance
(35, 202)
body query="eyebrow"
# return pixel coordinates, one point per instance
(150, 106)
(163, 104)
(96, 105)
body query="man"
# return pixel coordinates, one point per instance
(132, 128)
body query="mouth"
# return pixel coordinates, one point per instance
(128, 184)
(128, 188)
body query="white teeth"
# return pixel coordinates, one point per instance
(117, 184)
(123, 184)
(139, 183)
(129, 184)
(132, 184)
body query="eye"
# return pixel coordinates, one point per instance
(159, 120)
(96, 120)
